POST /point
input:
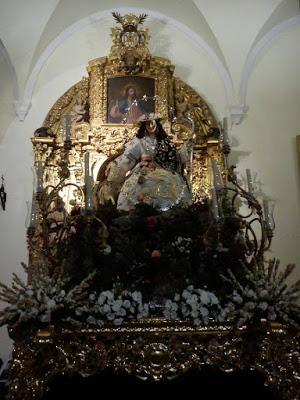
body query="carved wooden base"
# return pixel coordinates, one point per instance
(155, 350)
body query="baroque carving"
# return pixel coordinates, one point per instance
(155, 350)
(186, 116)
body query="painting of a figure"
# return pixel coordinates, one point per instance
(128, 98)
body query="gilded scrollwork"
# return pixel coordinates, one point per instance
(64, 105)
(156, 350)
(188, 104)
(185, 115)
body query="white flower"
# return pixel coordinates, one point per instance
(108, 294)
(106, 308)
(213, 299)
(101, 298)
(126, 304)
(263, 305)
(122, 312)
(263, 293)
(237, 298)
(177, 297)
(92, 297)
(250, 293)
(137, 296)
(117, 305)
(91, 320)
(110, 316)
(51, 304)
(118, 321)
(192, 299)
(168, 304)
(204, 311)
(45, 318)
(204, 297)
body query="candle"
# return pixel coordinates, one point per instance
(40, 176)
(68, 127)
(266, 210)
(214, 203)
(225, 131)
(249, 180)
(88, 179)
(32, 222)
(218, 184)
(268, 213)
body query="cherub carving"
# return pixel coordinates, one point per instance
(79, 111)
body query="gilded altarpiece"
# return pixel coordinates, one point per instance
(186, 118)
(156, 348)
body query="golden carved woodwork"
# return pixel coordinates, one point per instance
(186, 116)
(155, 350)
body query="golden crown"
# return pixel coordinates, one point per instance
(129, 19)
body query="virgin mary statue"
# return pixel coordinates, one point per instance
(148, 171)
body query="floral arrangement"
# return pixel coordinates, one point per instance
(265, 294)
(112, 307)
(199, 305)
(39, 300)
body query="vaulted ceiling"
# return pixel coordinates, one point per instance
(233, 33)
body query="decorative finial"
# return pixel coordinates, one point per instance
(3, 194)
(129, 22)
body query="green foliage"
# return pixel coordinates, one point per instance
(155, 252)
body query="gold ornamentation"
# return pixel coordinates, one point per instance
(129, 52)
(156, 350)
(188, 103)
(99, 137)
(55, 118)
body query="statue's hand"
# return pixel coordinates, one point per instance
(106, 193)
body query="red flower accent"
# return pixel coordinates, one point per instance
(152, 221)
(155, 254)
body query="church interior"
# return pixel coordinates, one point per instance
(150, 198)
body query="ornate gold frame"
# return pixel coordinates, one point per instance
(156, 349)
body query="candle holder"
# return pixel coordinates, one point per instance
(3, 194)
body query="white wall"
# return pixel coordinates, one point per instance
(266, 139)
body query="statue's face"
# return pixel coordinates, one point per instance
(151, 126)
(131, 91)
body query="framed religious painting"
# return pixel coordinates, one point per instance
(128, 98)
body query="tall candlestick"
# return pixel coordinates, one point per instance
(249, 180)
(214, 203)
(266, 210)
(225, 131)
(40, 176)
(86, 164)
(218, 183)
(68, 127)
(88, 179)
(32, 222)
(268, 214)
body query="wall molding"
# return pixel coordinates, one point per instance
(256, 51)
(12, 71)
